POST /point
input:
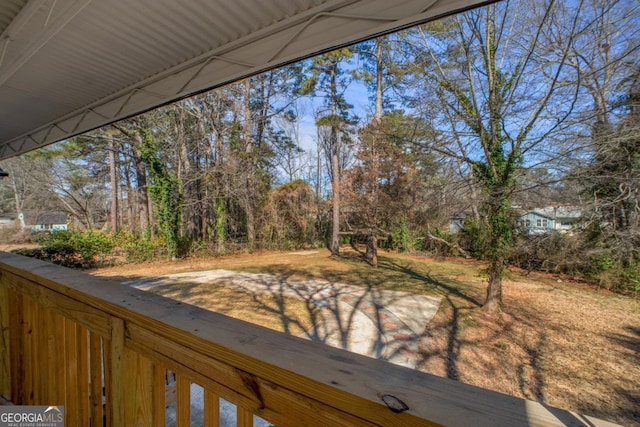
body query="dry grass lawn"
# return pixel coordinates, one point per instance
(557, 340)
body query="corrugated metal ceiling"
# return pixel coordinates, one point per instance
(68, 66)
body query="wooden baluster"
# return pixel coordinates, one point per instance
(138, 382)
(113, 366)
(183, 401)
(211, 409)
(83, 374)
(39, 360)
(159, 394)
(60, 361)
(16, 345)
(95, 377)
(72, 400)
(27, 327)
(245, 417)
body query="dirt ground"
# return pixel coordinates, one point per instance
(557, 343)
(557, 340)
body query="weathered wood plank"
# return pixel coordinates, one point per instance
(211, 409)
(286, 367)
(5, 349)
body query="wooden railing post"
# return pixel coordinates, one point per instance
(130, 382)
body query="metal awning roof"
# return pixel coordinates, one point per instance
(69, 66)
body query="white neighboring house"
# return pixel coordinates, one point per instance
(45, 221)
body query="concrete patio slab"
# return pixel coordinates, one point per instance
(373, 322)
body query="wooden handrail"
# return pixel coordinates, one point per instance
(130, 337)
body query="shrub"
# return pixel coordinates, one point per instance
(474, 238)
(400, 238)
(72, 248)
(140, 249)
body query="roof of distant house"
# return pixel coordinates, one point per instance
(45, 218)
(557, 212)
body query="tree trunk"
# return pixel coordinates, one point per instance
(499, 243)
(16, 197)
(335, 189)
(142, 197)
(372, 241)
(335, 168)
(221, 225)
(493, 302)
(114, 185)
(372, 248)
(185, 176)
(130, 210)
(250, 168)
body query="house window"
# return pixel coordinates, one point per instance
(527, 223)
(541, 223)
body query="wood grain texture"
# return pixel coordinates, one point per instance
(284, 407)
(16, 344)
(183, 401)
(211, 409)
(39, 355)
(27, 331)
(95, 320)
(114, 374)
(159, 394)
(5, 350)
(138, 383)
(59, 359)
(83, 374)
(95, 378)
(281, 378)
(244, 417)
(72, 379)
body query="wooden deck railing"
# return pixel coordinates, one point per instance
(103, 351)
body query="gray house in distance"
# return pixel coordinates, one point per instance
(548, 219)
(456, 222)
